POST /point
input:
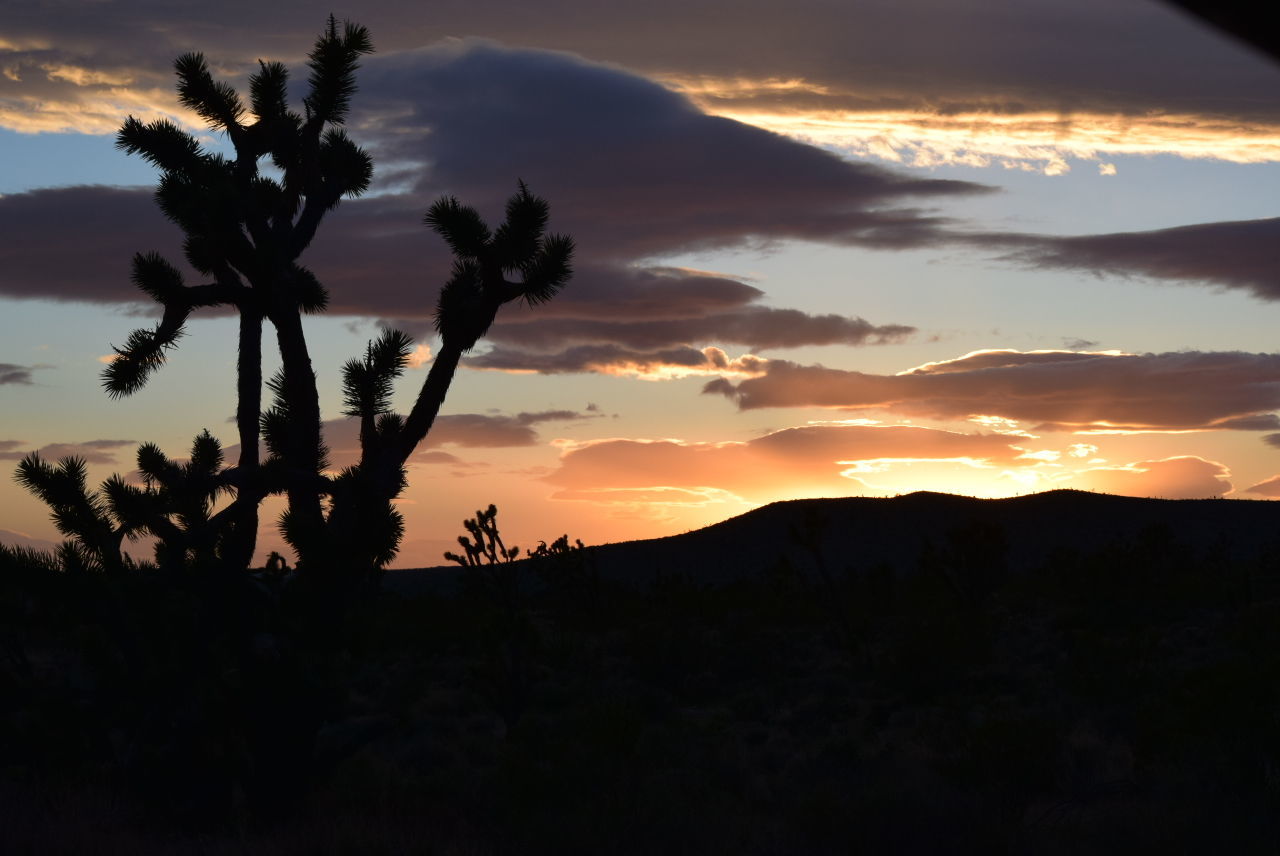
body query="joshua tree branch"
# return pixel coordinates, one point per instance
(317, 205)
(430, 398)
(220, 293)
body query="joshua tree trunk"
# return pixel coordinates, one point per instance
(247, 231)
(382, 463)
(303, 453)
(242, 537)
(382, 475)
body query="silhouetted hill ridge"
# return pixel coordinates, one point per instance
(864, 532)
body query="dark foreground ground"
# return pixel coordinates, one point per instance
(1123, 698)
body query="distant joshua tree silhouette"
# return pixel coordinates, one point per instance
(247, 231)
(276, 564)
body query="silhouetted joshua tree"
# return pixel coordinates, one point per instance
(175, 503)
(246, 231)
(363, 529)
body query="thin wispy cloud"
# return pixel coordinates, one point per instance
(92, 451)
(15, 374)
(661, 364)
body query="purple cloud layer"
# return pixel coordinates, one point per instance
(464, 430)
(632, 171)
(937, 55)
(1056, 390)
(1242, 254)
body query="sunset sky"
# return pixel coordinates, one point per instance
(825, 248)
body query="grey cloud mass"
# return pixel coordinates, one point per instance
(1242, 254)
(632, 171)
(666, 314)
(1059, 390)
(757, 327)
(1129, 57)
(465, 430)
(104, 225)
(649, 292)
(648, 345)
(13, 374)
(604, 358)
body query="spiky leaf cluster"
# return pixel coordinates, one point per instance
(96, 521)
(269, 96)
(517, 239)
(306, 291)
(188, 489)
(63, 487)
(367, 383)
(333, 63)
(142, 353)
(162, 144)
(214, 101)
(379, 522)
(276, 422)
(15, 558)
(545, 272)
(478, 286)
(156, 277)
(175, 503)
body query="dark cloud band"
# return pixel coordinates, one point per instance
(1061, 390)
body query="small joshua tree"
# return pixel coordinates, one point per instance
(175, 503)
(560, 564)
(485, 546)
(96, 521)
